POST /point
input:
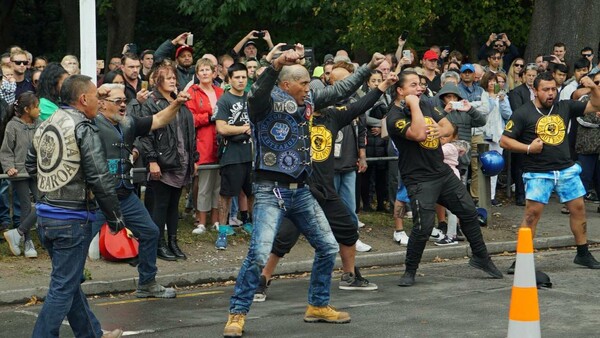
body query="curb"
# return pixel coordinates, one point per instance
(225, 274)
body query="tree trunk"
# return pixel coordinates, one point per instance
(70, 14)
(573, 22)
(120, 20)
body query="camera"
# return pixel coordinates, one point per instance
(548, 58)
(260, 34)
(500, 36)
(458, 105)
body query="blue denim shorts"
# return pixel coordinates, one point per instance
(566, 183)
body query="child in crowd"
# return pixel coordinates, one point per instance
(453, 149)
(17, 139)
(9, 85)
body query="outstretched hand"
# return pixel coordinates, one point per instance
(389, 81)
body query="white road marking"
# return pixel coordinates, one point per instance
(31, 313)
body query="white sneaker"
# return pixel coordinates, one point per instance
(13, 238)
(361, 224)
(401, 237)
(362, 247)
(436, 235)
(94, 250)
(199, 230)
(215, 226)
(408, 215)
(30, 249)
(235, 221)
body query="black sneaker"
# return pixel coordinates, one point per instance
(355, 281)
(486, 265)
(408, 279)
(588, 261)
(496, 203)
(443, 227)
(511, 268)
(261, 292)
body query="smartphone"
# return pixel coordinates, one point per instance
(446, 48)
(404, 35)
(406, 54)
(496, 88)
(144, 85)
(548, 58)
(287, 47)
(458, 105)
(100, 64)
(500, 36)
(132, 48)
(189, 40)
(260, 34)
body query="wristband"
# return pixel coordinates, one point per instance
(529, 146)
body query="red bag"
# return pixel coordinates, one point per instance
(121, 245)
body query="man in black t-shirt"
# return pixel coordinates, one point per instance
(233, 126)
(416, 128)
(538, 129)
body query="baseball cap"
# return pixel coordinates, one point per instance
(182, 49)
(467, 66)
(248, 43)
(430, 55)
(328, 58)
(318, 71)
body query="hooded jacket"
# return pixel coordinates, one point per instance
(463, 120)
(17, 139)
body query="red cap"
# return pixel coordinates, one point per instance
(181, 49)
(430, 55)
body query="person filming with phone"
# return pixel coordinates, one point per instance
(246, 47)
(184, 55)
(501, 43)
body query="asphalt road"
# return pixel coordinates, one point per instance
(450, 299)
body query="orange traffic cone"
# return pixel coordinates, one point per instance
(524, 314)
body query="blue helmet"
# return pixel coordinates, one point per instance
(492, 163)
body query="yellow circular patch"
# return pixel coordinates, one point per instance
(509, 125)
(321, 142)
(431, 142)
(551, 129)
(400, 124)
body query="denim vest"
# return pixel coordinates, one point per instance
(284, 137)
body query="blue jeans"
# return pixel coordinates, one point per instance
(67, 242)
(345, 185)
(5, 205)
(138, 220)
(307, 215)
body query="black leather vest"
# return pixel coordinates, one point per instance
(118, 145)
(59, 174)
(283, 136)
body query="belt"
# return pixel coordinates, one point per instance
(291, 186)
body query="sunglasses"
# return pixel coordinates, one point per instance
(118, 102)
(531, 66)
(495, 58)
(520, 65)
(587, 55)
(499, 45)
(21, 63)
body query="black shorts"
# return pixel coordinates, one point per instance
(340, 221)
(235, 178)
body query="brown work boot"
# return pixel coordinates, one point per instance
(117, 333)
(326, 314)
(235, 325)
